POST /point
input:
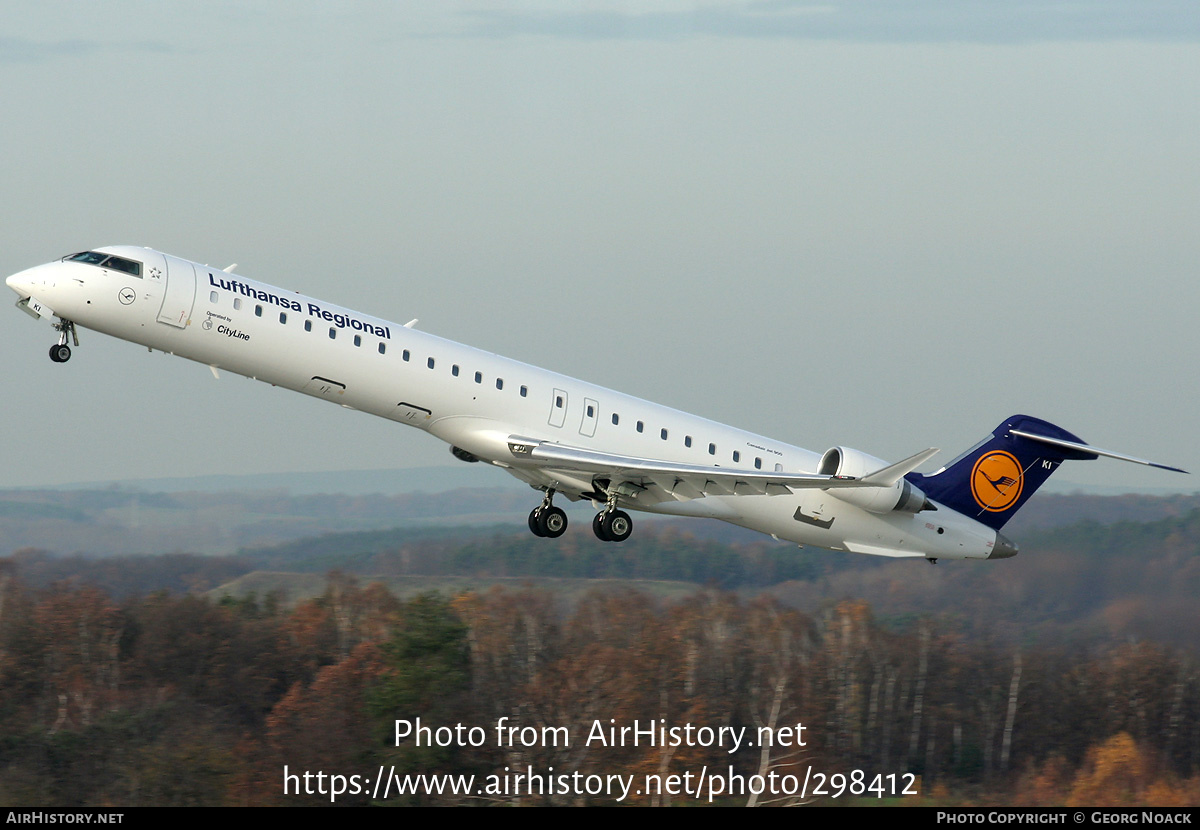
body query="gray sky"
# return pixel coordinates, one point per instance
(887, 225)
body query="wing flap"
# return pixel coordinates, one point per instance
(689, 481)
(716, 487)
(680, 488)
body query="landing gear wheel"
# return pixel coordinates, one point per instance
(552, 522)
(616, 525)
(534, 522)
(60, 352)
(598, 528)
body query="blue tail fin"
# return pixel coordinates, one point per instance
(992, 480)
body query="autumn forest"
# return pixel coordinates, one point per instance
(129, 681)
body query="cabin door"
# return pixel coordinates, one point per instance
(180, 294)
(591, 411)
(558, 408)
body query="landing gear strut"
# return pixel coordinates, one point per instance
(547, 520)
(60, 352)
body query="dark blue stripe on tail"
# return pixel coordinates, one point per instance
(991, 481)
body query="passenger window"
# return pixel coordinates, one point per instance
(591, 411)
(499, 383)
(616, 419)
(558, 401)
(712, 449)
(357, 340)
(687, 440)
(258, 311)
(454, 370)
(737, 456)
(479, 379)
(308, 325)
(212, 296)
(663, 434)
(283, 317)
(332, 333)
(237, 302)
(640, 426)
(405, 355)
(524, 391)
(382, 347)
(758, 463)
(429, 363)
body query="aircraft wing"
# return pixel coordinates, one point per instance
(680, 482)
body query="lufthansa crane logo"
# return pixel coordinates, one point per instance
(996, 481)
(127, 296)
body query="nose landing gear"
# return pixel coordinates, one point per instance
(60, 352)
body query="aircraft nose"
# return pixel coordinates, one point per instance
(22, 282)
(16, 283)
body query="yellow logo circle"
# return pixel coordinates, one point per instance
(996, 481)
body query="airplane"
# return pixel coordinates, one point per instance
(559, 435)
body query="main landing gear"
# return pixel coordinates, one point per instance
(547, 520)
(609, 525)
(60, 352)
(612, 525)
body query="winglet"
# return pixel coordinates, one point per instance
(229, 270)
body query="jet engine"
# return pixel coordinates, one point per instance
(850, 463)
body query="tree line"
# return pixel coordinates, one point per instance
(174, 699)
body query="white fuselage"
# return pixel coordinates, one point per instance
(471, 399)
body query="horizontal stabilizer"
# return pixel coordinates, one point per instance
(1087, 448)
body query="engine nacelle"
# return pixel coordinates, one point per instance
(901, 496)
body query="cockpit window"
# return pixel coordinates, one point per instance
(127, 266)
(90, 257)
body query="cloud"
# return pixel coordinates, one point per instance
(901, 21)
(23, 50)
